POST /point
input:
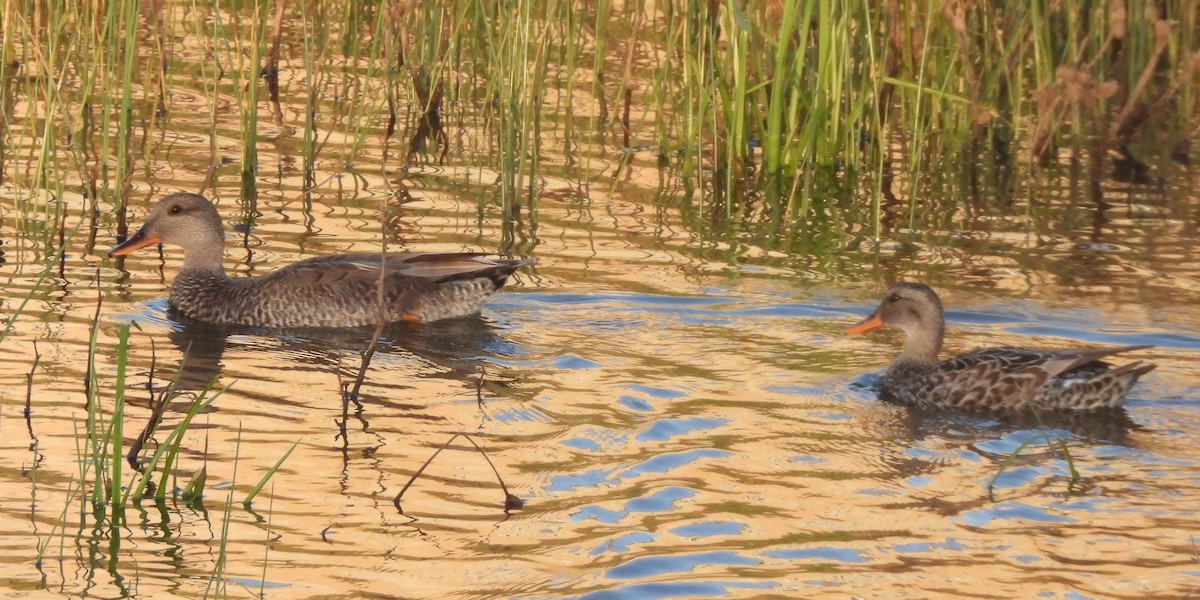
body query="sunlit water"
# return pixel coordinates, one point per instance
(677, 408)
(708, 434)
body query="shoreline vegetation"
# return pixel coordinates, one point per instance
(749, 106)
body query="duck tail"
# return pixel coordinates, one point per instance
(499, 274)
(1120, 379)
(1134, 370)
(497, 271)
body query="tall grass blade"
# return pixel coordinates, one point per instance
(1004, 465)
(118, 429)
(193, 492)
(269, 474)
(217, 582)
(170, 447)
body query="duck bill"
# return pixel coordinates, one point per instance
(141, 239)
(870, 323)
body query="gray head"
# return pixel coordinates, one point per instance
(186, 220)
(916, 310)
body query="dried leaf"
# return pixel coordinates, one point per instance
(958, 18)
(1116, 19)
(1075, 83)
(1047, 96)
(1106, 90)
(1073, 76)
(1162, 31)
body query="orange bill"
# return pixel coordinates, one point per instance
(141, 239)
(870, 323)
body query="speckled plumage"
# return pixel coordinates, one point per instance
(328, 291)
(993, 379)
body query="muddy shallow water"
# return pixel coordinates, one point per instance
(671, 395)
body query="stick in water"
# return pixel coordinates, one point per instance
(511, 502)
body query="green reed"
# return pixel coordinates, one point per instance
(366, 106)
(117, 438)
(262, 587)
(818, 83)
(248, 79)
(129, 54)
(8, 69)
(208, 82)
(100, 449)
(104, 434)
(349, 91)
(518, 66)
(780, 110)
(1052, 444)
(309, 137)
(751, 103)
(167, 452)
(217, 582)
(267, 476)
(73, 488)
(95, 428)
(600, 23)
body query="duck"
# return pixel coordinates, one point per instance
(334, 291)
(1004, 379)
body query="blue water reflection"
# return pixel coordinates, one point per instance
(660, 501)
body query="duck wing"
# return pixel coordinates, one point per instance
(413, 270)
(1005, 378)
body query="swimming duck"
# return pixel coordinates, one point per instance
(327, 291)
(993, 379)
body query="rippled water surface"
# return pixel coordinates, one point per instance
(674, 401)
(676, 427)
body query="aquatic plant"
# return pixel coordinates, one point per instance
(1053, 444)
(742, 101)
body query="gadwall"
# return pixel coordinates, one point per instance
(327, 291)
(993, 379)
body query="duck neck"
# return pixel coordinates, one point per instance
(923, 344)
(206, 255)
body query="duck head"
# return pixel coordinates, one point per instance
(186, 220)
(916, 310)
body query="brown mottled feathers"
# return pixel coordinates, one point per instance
(993, 379)
(1016, 378)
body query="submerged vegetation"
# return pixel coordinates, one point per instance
(100, 494)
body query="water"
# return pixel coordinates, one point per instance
(724, 441)
(672, 399)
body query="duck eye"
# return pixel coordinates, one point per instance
(894, 298)
(176, 209)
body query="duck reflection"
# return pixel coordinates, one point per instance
(1111, 425)
(457, 348)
